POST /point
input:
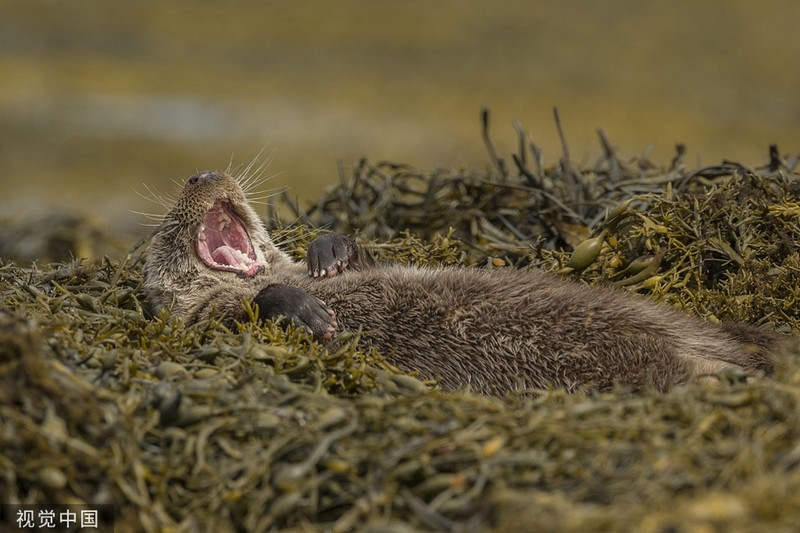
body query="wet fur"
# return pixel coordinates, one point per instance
(492, 330)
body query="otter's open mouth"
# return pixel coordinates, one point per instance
(223, 242)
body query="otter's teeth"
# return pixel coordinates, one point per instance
(201, 235)
(224, 221)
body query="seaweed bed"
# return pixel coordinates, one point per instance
(201, 428)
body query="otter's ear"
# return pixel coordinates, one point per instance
(277, 301)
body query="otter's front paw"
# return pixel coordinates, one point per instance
(332, 253)
(300, 307)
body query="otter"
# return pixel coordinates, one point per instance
(491, 331)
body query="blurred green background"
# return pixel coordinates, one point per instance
(99, 98)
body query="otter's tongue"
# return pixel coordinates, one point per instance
(223, 243)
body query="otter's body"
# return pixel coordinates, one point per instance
(492, 330)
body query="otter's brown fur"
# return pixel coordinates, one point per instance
(492, 330)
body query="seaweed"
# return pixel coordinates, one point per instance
(259, 428)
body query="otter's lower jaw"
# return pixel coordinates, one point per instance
(223, 243)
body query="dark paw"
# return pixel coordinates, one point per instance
(331, 254)
(298, 306)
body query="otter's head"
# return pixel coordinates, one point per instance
(213, 209)
(211, 235)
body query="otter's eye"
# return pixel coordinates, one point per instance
(193, 180)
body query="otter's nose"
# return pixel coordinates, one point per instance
(204, 177)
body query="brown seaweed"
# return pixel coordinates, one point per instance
(263, 429)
